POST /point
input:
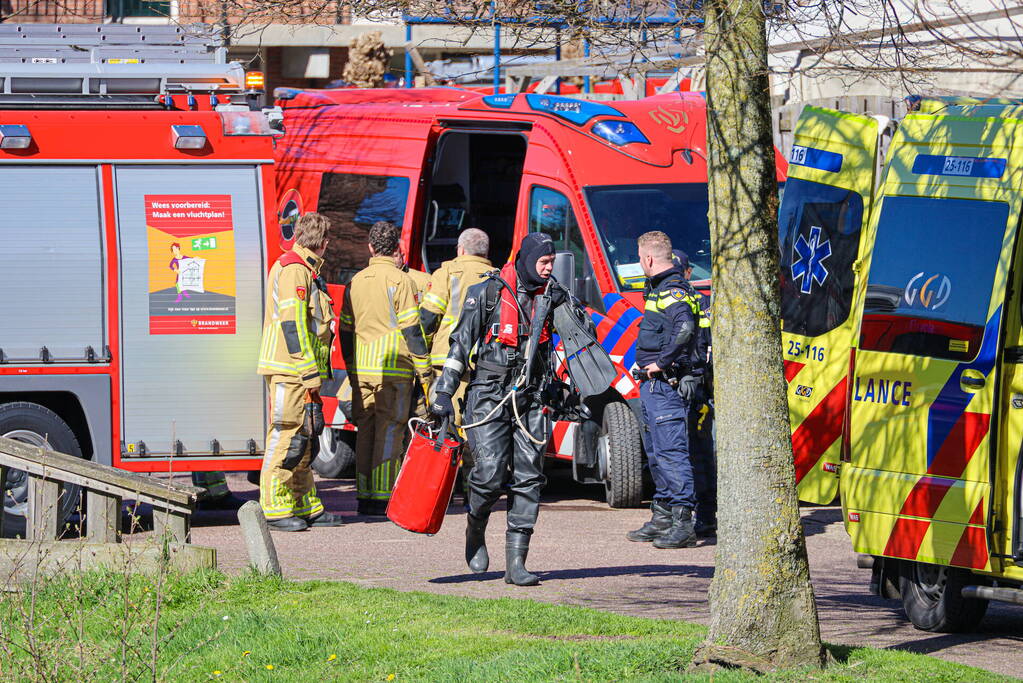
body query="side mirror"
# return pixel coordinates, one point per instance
(564, 270)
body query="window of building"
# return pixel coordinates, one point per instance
(138, 8)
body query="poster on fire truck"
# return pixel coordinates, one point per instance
(191, 264)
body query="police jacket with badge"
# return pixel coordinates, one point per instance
(668, 333)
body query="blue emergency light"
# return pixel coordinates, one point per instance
(619, 132)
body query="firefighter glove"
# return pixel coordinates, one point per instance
(441, 406)
(312, 421)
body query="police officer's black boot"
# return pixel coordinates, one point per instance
(706, 524)
(516, 547)
(659, 523)
(476, 555)
(681, 534)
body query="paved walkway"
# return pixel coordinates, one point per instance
(582, 556)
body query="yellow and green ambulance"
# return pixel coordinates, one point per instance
(916, 336)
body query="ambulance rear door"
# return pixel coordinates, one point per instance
(192, 265)
(924, 406)
(826, 201)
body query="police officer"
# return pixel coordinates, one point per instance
(380, 322)
(507, 432)
(701, 411)
(295, 358)
(665, 349)
(442, 305)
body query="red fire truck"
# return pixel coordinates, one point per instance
(592, 175)
(137, 183)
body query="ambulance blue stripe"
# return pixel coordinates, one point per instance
(951, 401)
(964, 167)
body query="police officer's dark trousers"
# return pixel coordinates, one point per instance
(701, 451)
(666, 415)
(501, 451)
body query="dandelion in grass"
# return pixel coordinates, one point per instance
(331, 658)
(269, 667)
(246, 653)
(390, 677)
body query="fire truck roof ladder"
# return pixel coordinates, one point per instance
(82, 66)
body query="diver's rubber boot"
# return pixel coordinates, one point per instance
(516, 547)
(658, 525)
(476, 555)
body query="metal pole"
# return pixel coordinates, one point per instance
(497, 58)
(408, 55)
(557, 58)
(586, 79)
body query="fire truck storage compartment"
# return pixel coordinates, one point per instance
(189, 362)
(51, 264)
(475, 184)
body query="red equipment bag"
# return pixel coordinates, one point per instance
(422, 491)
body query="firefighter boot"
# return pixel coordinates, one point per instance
(325, 519)
(658, 525)
(681, 533)
(287, 524)
(476, 544)
(516, 547)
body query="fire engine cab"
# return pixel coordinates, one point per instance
(137, 185)
(924, 282)
(592, 175)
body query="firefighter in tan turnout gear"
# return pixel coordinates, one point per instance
(295, 358)
(445, 296)
(381, 312)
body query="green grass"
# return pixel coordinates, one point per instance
(315, 631)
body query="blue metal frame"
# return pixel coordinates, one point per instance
(674, 18)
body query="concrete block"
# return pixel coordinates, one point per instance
(262, 553)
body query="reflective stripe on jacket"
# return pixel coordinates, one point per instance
(444, 299)
(296, 322)
(380, 308)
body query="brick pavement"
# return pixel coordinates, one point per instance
(583, 559)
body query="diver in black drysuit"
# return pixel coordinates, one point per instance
(498, 444)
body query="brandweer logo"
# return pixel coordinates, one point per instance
(932, 295)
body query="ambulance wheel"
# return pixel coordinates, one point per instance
(933, 600)
(620, 452)
(337, 453)
(35, 425)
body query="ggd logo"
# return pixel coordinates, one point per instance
(932, 293)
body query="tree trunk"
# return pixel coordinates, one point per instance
(763, 614)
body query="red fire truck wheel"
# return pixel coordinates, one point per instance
(337, 453)
(37, 425)
(620, 452)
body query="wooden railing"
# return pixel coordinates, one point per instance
(105, 488)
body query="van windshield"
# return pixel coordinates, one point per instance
(931, 274)
(624, 212)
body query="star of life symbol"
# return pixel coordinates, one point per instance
(810, 262)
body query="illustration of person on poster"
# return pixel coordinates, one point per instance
(175, 265)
